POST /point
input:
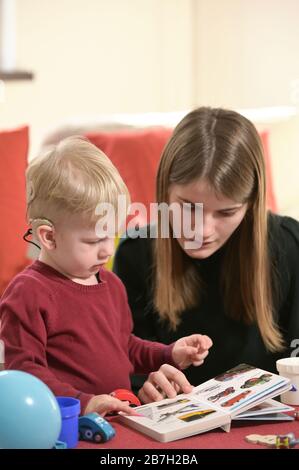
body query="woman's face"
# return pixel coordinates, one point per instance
(221, 216)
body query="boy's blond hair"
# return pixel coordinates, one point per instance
(71, 178)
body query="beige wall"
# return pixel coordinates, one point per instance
(99, 56)
(248, 52)
(285, 161)
(247, 57)
(108, 56)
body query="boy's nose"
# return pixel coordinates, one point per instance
(107, 248)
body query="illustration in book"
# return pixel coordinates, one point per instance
(212, 404)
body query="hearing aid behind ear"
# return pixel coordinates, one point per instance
(41, 221)
(34, 224)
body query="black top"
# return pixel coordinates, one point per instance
(233, 341)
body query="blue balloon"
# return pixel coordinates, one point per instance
(29, 412)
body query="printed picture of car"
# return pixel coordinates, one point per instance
(172, 403)
(257, 381)
(224, 393)
(92, 427)
(183, 409)
(210, 388)
(236, 398)
(195, 415)
(232, 373)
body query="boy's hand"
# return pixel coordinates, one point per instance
(166, 382)
(104, 404)
(191, 350)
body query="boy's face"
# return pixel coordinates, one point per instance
(79, 252)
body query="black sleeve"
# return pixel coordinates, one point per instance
(132, 264)
(290, 247)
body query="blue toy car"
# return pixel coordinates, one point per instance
(92, 427)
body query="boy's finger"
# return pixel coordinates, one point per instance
(123, 406)
(128, 411)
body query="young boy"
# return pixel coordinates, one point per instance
(65, 319)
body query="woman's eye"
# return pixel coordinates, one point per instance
(227, 214)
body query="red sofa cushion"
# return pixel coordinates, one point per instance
(13, 161)
(136, 155)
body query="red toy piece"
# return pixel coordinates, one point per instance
(126, 395)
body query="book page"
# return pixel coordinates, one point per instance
(265, 417)
(240, 388)
(210, 405)
(265, 408)
(178, 417)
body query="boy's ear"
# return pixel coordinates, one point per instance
(46, 236)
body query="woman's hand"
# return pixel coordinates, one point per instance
(191, 350)
(166, 382)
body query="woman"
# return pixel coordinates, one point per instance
(241, 287)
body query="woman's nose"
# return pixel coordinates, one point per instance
(208, 226)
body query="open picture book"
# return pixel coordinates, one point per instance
(240, 393)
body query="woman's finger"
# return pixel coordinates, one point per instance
(176, 376)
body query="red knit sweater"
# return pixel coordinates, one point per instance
(75, 338)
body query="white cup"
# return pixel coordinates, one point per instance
(289, 368)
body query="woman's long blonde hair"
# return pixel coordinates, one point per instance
(224, 148)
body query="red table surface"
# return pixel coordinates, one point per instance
(128, 438)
